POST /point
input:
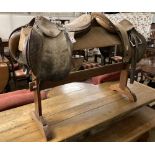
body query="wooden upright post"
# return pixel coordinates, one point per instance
(37, 114)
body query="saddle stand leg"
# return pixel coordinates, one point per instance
(122, 87)
(37, 114)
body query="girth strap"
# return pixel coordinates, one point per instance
(122, 32)
(135, 42)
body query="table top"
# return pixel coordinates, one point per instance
(72, 109)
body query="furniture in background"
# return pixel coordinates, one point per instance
(16, 71)
(145, 70)
(105, 53)
(4, 76)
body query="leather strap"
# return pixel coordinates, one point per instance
(135, 51)
(125, 41)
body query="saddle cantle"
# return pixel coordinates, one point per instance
(46, 49)
(103, 21)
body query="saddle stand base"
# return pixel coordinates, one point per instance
(37, 116)
(122, 88)
(124, 92)
(42, 125)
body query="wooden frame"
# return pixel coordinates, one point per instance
(36, 86)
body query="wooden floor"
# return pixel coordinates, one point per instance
(73, 108)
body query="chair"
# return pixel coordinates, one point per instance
(114, 76)
(116, 57)
(4, 76)
(15, 71)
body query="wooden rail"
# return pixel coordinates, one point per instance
(84, 75)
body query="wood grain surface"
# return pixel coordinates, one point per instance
(72, 109)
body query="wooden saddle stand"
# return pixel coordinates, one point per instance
(36, 87)
(91, 31)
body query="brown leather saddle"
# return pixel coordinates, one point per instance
(44, 47)
(101, 32)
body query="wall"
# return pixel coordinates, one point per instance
(10, 21)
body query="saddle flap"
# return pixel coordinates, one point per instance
(46, 27)
(48, 58)
(25, 31)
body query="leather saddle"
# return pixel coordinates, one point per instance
(101, 32)
(44, 47)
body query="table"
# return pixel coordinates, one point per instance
(73, 109)
(147, 67)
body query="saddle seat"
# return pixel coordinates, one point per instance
(79, 24)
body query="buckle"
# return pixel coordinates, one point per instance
(133, 43)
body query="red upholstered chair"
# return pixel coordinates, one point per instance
(88, 65)
(114, 76)
(18, 98)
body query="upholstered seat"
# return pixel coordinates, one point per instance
(17, 98)
(105, 78)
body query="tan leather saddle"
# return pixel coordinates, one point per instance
(103, 33)
(44, 47)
